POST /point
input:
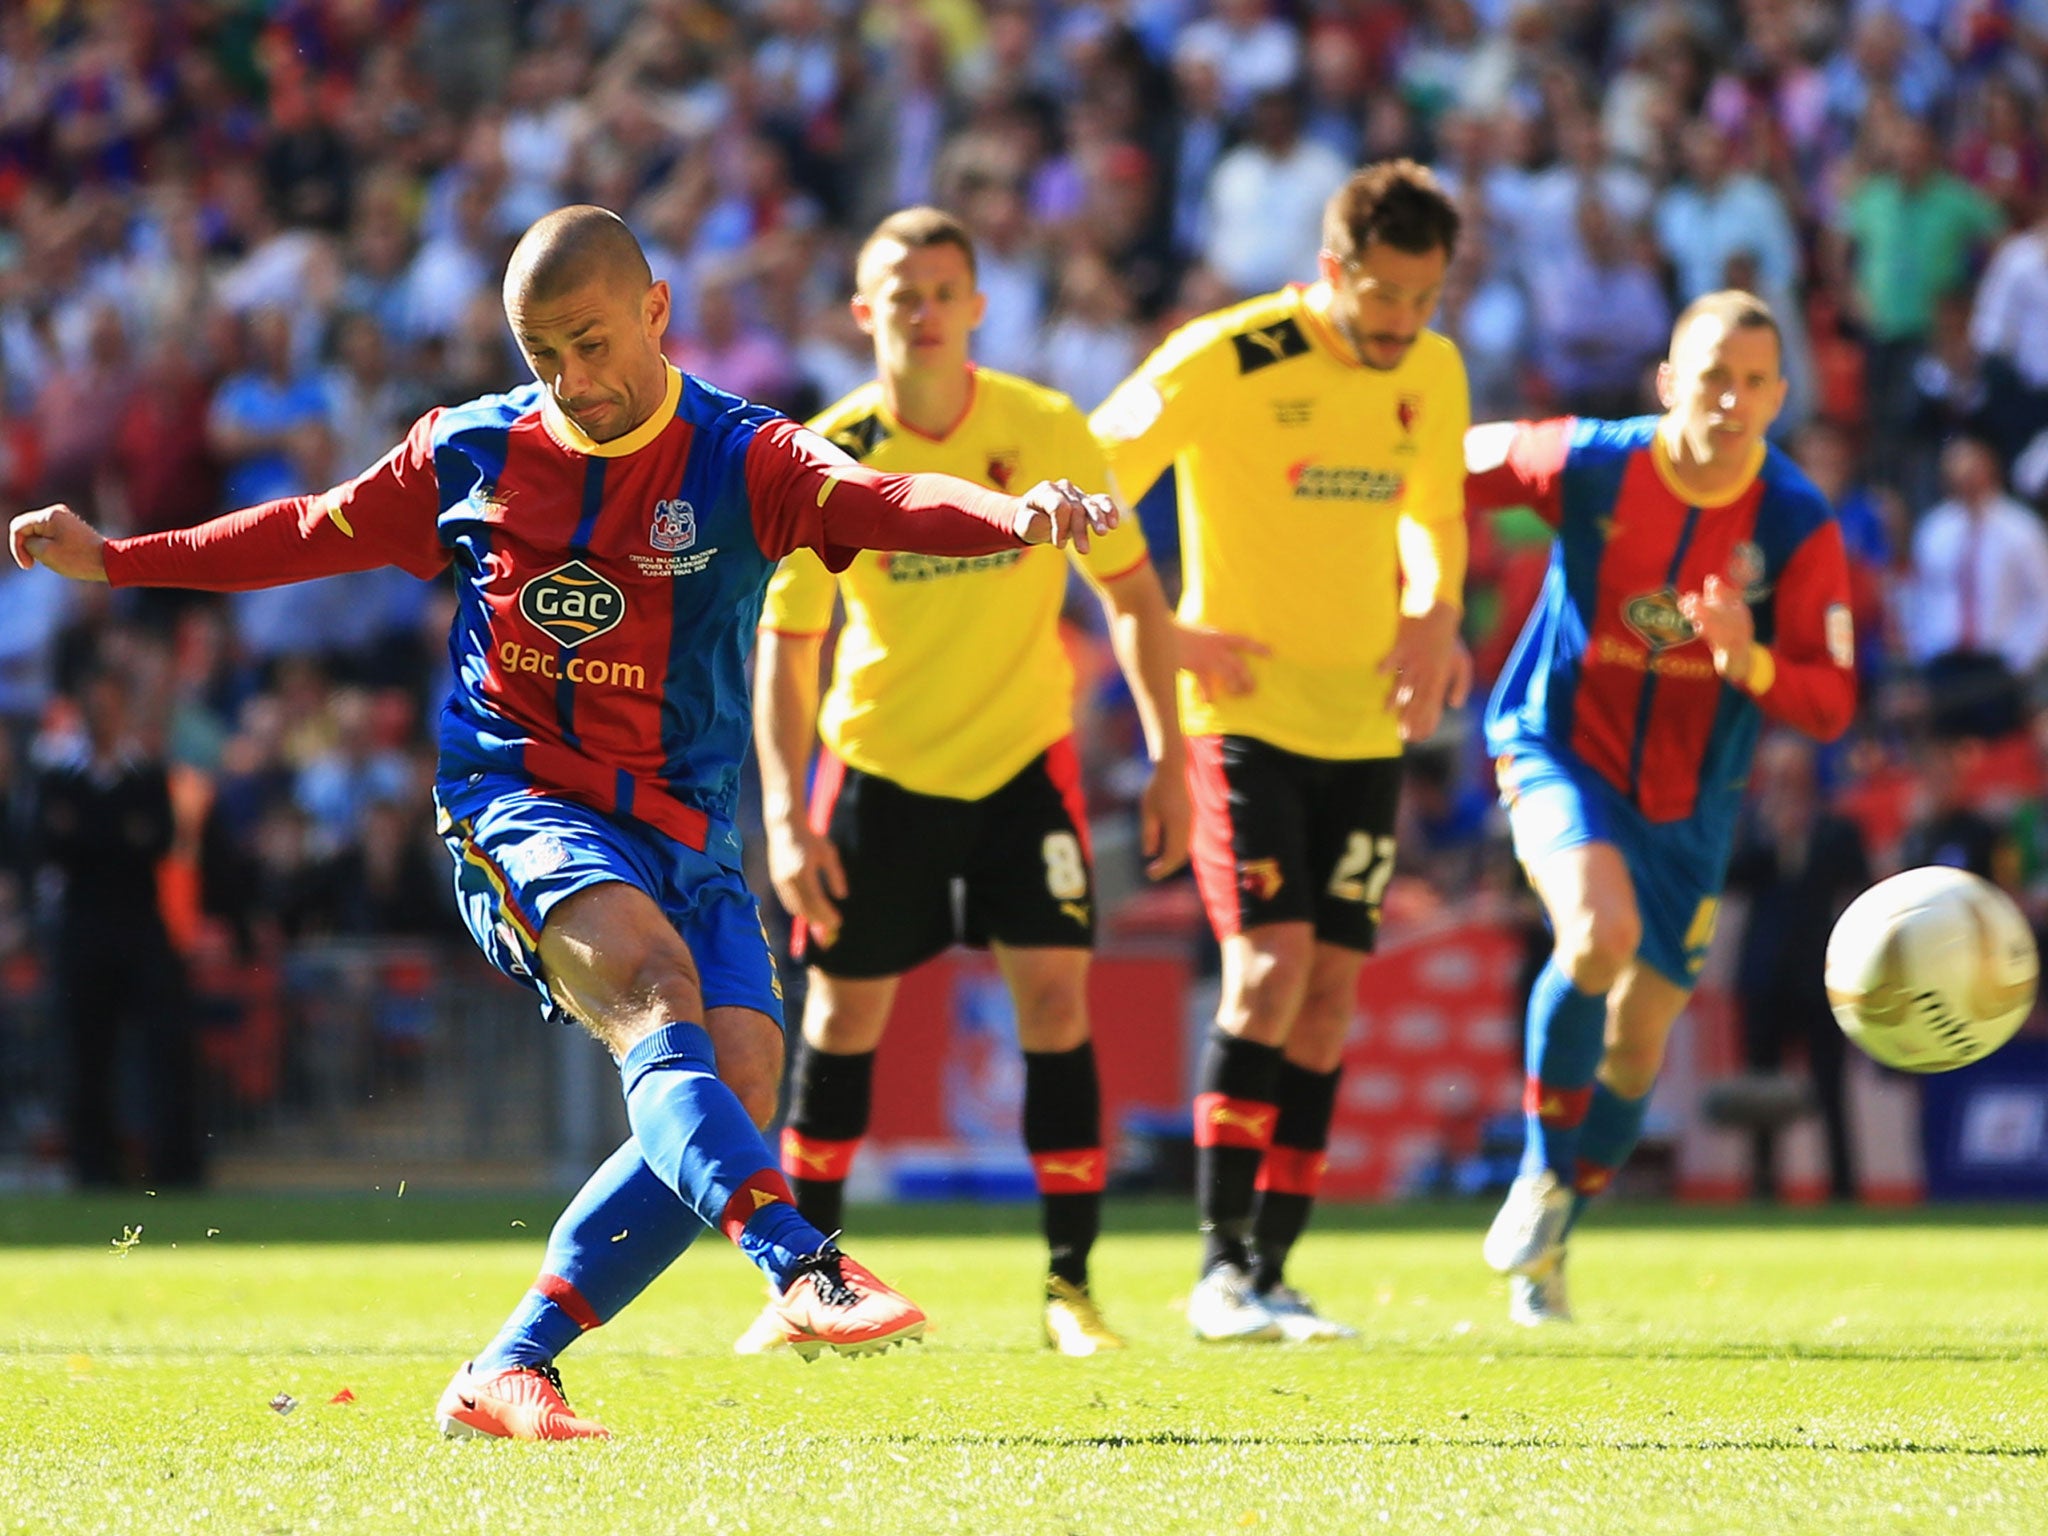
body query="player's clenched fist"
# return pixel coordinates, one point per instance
(1058, 513)
(61, 540)
(1721, 614)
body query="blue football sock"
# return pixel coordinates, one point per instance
(1567, 1035)
(701, 1143)
(623, 1228)
(1613, 1127)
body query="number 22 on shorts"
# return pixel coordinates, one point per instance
(1362, 874)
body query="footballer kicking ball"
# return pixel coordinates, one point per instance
(1932, 969)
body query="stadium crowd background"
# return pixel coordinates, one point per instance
(243, 243)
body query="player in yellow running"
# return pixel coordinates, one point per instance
(1317, 438)
(949, 756)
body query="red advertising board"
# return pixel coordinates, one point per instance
(1434, 1051)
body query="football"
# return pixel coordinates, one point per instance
(1932, 969)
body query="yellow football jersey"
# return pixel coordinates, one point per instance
(950, 675)
(1309, 486)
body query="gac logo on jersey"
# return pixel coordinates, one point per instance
(1657, 620)
(674, 527)
(572, 604)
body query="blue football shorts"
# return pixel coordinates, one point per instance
(1555, 802)
(519, 853)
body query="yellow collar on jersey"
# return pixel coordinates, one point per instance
(1668, 473)
(576, 440)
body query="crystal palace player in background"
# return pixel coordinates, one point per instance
(948, 731)
(1317, 438)
(612, 529)
(1697, 587)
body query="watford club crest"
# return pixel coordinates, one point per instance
(1002, 468)
(1408, 412)
(1260, 878)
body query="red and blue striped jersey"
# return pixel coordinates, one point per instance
(1607, 667)
(607, 593)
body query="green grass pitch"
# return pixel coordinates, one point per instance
(1731, 1372)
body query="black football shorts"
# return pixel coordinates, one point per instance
(924, 872)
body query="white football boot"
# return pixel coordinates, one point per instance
(1529, 1231)
(1222, 1308)
(1300, 1322)
(1534, 1300)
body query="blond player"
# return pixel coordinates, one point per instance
(949, 760)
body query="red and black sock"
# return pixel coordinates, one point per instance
(829, 1099)
(1063, 1134)
(1235, 1115)
(1293, 1168)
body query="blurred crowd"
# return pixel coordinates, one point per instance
(243, 243)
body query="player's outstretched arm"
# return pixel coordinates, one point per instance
(807, 494)
(385, 516)
(1511, 464)
(60, 539)
(1060, 513)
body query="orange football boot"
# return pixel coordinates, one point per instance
(523, 1402)
(834, 1303)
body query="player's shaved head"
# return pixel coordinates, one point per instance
(589, 318)
(572, 248)
(1735, 310)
